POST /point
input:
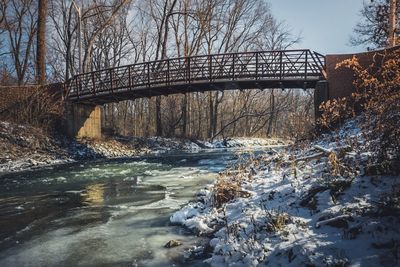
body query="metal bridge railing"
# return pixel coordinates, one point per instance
(302, 65)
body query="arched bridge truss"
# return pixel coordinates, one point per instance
(247, 70)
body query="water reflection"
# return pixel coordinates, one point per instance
(93, 194)
(48, 222)
(23, 216)
(117, 192)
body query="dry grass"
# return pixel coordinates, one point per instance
(278, 222)
(334, 164)
(229, 183)
(226, 190)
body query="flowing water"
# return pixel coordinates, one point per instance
(112, 213)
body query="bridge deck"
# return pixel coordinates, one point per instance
(249, 70)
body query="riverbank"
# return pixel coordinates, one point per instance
(317, 203)
(24, 147)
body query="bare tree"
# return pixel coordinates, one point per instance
(374, 28)
(41, 43)
(64, 24)
(103, 15)
(393, 22)
(20, 25)
(96, 18)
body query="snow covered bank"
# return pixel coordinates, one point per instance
(309, 205)
(24, 147)
(245, 142)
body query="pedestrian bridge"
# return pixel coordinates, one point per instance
(248, 70)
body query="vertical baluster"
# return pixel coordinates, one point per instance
(280, 65)
(129, 78)
(256, 65)
(65, 89)
(168, 70)
(93, 84)
(188, 70)
(210, 66)
(233, 67)
(148, 75)
(111, 81)
(77, 86)
(305, 70)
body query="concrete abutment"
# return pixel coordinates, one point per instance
(83, 120)
(321, 94)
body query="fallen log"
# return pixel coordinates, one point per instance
(337, 150)
(339, 221)
(307, 199)
(324, 150)
(310, 157)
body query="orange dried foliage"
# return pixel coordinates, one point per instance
(378, 95)
(228, 188)
(335, 111)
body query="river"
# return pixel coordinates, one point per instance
(104, 213)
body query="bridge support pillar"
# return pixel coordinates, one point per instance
(321, 94)
(83, 120)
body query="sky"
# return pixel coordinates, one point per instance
(325, 25)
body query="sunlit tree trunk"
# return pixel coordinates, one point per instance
(41, 43)
(272, 113)
(392, 22)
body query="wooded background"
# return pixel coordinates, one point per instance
(118, 32)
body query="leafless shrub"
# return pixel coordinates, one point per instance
(40, 109)
(277, 221)
(226, 190)
(378, 96)
(335, 111)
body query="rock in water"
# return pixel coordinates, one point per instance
(173, 243)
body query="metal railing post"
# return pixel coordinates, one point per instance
(188, 69)
(130, 78)
(256, 65)
(233, 66)
(210, 66)
(306, 62)
(148, 75)
(77, 86)
(280, 65)
(168, 73)
(111, 81)
(93, 84)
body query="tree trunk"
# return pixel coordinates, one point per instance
(184, 115)
(392, 23)
(272, 114)
(41, 43)
(158, 116)
(211, 115)
(215, 114)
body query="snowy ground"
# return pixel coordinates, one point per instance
(309, 205)
(245, 142)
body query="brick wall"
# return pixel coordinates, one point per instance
(341, 79)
